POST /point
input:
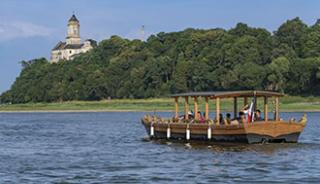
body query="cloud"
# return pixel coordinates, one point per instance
(19, 29)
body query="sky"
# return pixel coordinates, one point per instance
(30, 28)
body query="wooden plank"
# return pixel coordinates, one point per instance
(176, 107)
(235, 108)
(207, 108)
(265, 108)
(218, 109)
(186, 107)
(196, 116)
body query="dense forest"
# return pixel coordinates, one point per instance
(287, 60)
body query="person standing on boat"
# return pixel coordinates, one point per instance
(244, 112)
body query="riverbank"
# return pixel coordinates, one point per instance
(287, 104)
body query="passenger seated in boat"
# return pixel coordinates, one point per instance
(227, 121)
(257, 116)
(236, 121)
(239, 120)
(242, 117)
(190, 115)
(181, 117)
(201, 118)
(221, 120)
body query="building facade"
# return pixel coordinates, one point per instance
(73, 45)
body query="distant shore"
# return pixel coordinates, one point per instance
(88, 111)
(77, 111)
(287, 104)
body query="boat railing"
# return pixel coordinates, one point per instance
(158, 119)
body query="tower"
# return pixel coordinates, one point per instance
(142, 33)
(73, 35)
(69, 49)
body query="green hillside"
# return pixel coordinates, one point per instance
(243, 57)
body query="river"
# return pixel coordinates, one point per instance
(112, 147)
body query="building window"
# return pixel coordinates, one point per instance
(70, 51)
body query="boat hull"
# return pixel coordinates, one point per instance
(258, 132)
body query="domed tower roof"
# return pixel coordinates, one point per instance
(73, 18)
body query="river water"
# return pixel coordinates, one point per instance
(112, 147)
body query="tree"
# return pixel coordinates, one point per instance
(303, 76)
(180, 78)
(277, 74)
(293, 33)
(311, 47)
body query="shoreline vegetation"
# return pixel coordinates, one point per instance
(287, 104)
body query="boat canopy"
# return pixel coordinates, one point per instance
(229, 94)
(217, 95)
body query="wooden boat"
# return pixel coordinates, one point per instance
(263, 130)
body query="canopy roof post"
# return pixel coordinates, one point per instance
(265, 108)
(218, 109)
(196, 116)
(255, 103)
(235, 108)
(176, 107)
(207, 109)
(277, 109)
(186, 107)
(245, 101)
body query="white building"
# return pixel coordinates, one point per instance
(73, 46)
